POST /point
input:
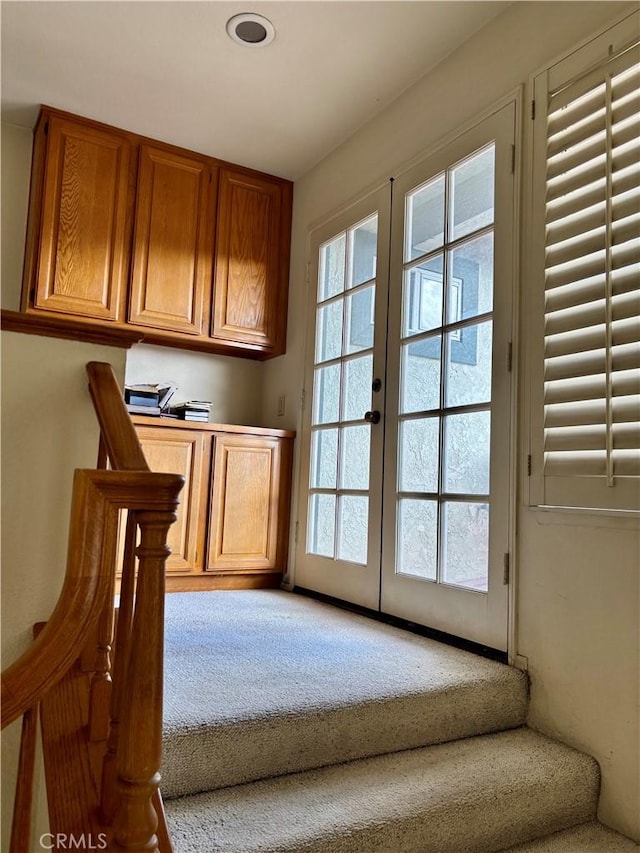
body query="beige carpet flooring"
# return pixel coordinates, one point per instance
(589, 837)
(476, 794)
(294, 727)
(263, 683)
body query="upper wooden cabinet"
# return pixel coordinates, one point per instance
(249, 261)
(79, 265)
(172, 257)
(190, 251)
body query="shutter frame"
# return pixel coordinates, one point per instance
(585, 267)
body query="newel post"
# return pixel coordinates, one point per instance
(139, 750)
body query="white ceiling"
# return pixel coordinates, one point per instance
(169, 71)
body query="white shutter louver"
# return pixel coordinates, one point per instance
(592, 285)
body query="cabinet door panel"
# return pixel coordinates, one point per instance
(243, 528)
(82, 266)
(171, 277)
(182, 452)
(248, 271)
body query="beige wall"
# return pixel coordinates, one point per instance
(577, 598)
(15, 159)
(232, 385)
(579, 628)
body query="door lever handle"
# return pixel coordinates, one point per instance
(372, 417)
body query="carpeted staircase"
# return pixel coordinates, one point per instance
(293, 726)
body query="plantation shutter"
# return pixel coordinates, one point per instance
(591, 382)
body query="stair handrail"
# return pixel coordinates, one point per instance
(87, 582)
(98, 496)
(26, 680)
(116, 428)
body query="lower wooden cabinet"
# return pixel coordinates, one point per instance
(232, 525)
(246, 530)
(186, 452)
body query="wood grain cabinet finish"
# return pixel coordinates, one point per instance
(232, 528)
(172, 247)
(132, 234)
(80, 221)
(184, 452)
(244, 503)
(247, 286)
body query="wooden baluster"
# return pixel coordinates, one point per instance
(89, 654)
(101, 683)
(103, 455)
(140, 743)
(21, 824)
(164, 842)
(108, 796)
(88, 658)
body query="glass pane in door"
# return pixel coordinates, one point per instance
(420, 375)
(329, 331)
(425, 218)
(339, 480)
(419, 444)
(324, 459)
(331, 278)
(466, 544)
(417, 538)
(471, 194)
(468, 357)
(466, 453)
(326, 394)
(322, 511)
(354, 522)
(354, 457)
(445, 390)
(358, 376)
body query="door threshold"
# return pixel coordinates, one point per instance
(405, 625)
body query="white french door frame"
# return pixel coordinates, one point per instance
(342, 579)
(328, 580)
(481, 617)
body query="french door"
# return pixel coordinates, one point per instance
(405, 505)
(339, 533)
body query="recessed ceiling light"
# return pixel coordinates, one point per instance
(251, 30)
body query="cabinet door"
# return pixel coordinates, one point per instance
(82, 266)
(251, 260)
(245, 503)
(186, 452)
(171, 276)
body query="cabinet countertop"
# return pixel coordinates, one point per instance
(146, 420)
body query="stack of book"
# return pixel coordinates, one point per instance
(148, 399)
(192, 410)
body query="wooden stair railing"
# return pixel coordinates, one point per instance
(101, 730)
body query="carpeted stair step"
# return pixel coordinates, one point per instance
(484, 793)
(590, 837)
(260, 684)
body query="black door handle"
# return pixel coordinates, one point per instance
(372, 417)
